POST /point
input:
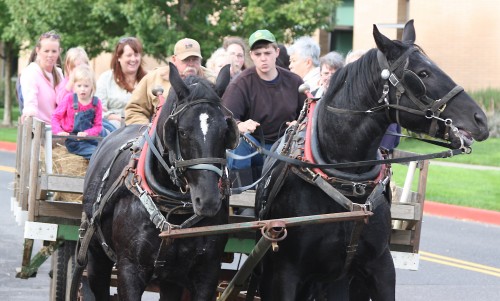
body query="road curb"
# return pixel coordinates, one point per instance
(8, 146)
(462, 213)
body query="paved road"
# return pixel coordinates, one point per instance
(459, 259)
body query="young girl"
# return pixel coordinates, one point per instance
(75, 57)
(79, 113)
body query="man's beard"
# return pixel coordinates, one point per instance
(189, 71)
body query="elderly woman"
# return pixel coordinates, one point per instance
(329, 63)
(304, 61)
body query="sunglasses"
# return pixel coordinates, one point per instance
(50, 35)
(126, 39)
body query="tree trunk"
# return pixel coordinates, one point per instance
(7, 113)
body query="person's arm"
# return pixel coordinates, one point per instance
(101, 90)
(29, 90)
(57, 117)
(140, 107)
(236, 101)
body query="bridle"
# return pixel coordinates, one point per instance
(414, 88)
(178, 164)
(408, 83)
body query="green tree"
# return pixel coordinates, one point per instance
(96, 25)
(159, 24)
(10, 48)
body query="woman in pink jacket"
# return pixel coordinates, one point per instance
(41, 79)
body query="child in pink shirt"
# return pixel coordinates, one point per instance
(75, 57)
(79, 113)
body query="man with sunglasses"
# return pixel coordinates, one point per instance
(143, 104)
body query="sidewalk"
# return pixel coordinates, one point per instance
(430, 207)
(461, 165)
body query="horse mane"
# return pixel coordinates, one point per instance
(346, 84)
(360, 75)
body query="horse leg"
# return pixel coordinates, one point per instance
(281, 283)
(337, 290)
(132, 279)
(99, 269)
(170, 291)
(379, 281)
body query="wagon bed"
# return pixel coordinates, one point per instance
(57, 222)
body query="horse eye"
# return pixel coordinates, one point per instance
(423, 74)
(183, 133)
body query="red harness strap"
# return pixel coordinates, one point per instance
(142, 158)
(307, 147)
(308, 156)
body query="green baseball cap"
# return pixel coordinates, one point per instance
(261, 34)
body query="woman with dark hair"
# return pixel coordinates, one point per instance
(115, 86)
(236, 49)
(283, 59)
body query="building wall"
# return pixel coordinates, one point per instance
(461, 36)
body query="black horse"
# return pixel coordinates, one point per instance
(396, 83)
(191, 136)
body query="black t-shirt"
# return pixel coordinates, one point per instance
(271, 103)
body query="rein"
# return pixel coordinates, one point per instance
(300, 163)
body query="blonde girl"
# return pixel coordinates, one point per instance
(79, 113)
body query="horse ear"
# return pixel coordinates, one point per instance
(383, 43)
(232, 138)
(409, 32)
(170, 133)
(177, 83)
(223, 80)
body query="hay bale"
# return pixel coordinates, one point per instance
(64, 163)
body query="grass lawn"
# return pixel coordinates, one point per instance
(458, 186)
(9, 134)
(483, 153)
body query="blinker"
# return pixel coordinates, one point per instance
(414, 83)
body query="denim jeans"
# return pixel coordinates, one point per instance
(245, 149)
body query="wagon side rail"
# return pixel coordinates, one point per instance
(407, 213)
(51, 222)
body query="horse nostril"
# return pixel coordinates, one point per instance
(197, 201)
(480, 119)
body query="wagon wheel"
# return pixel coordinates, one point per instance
(62, 263)
(84, 292)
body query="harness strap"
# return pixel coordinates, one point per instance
(444, 154)
(333, 193)
(155, 151)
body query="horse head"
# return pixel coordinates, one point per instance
(423, 98)
(197, 132)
